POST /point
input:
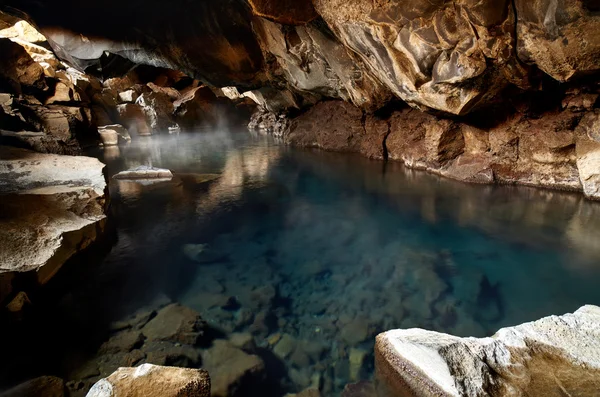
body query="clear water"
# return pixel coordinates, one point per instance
(333, 249)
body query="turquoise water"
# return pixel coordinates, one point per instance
(326, 250)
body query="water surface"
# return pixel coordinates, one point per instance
(330, 249)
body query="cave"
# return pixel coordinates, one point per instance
(309, 198)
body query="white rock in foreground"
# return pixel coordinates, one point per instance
(50, 207)
(554, 356)
(149, 380)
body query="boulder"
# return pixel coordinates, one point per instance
(149, 380)
(554, 356)
(112, 134)
(56, 206)
(129, 96)
(175, 323)
(158, 108)
(47, 386)
(233, 372)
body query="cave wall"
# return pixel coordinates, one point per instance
(449, 56)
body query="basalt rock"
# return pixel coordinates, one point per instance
(553, 356)
(450, 56)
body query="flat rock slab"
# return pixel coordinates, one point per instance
(554, 356)
(50, 206)
(145, 172)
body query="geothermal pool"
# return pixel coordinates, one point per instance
(321, 251)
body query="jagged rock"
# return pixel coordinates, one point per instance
(153, 381)
(175, 323)
(56, 205)
(22, 30)
(288, 12)
(332, 72)
(233, 372)
(18, 71)
(559, 38)
(158, 108)
(195, 107)
(129, 96)
(429, 54)
(47, 386)
(267, 122)
(172, 93)
(551, 356)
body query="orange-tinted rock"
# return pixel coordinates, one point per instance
(289, 12)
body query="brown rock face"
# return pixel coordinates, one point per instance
(288, 12)
(18, 70)
(339, 126)
(451, 56)
(561, 38)
(438, 55)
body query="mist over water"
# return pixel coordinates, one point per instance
(331, 249)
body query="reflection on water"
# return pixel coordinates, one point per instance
(314, 253)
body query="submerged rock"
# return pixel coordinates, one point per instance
(553, 356)
(145, 172)
(175, 323)
(54, 207)
(153, 381)
(233, 372)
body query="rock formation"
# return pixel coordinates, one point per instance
(554, 356)
(52, 207)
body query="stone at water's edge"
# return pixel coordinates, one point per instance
(145, 172)
(554, 356)
(50, 206)
(149, 380)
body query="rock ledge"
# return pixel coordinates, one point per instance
(554, 356)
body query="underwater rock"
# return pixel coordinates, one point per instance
(145, 172)
(285, 346)
(552, 356)
(244, 341)
(47, 386)
(355, 331)
(360, 389)
(175, 323)
(171, 354)
(124, 341)
(233, 372)
(153, 381)
(56, 206)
